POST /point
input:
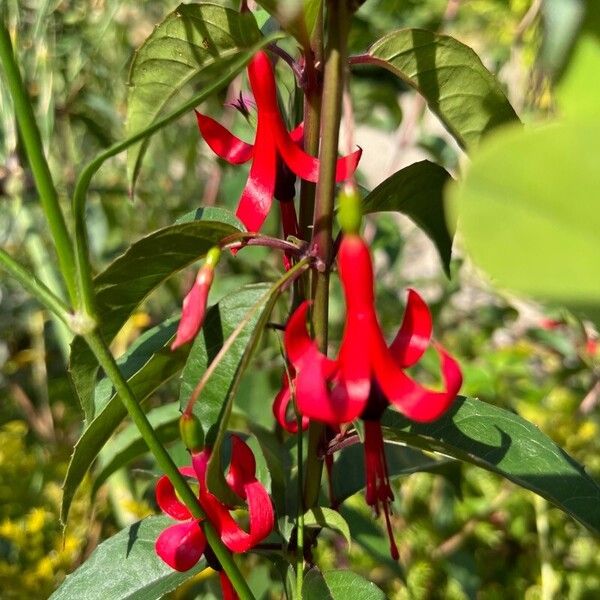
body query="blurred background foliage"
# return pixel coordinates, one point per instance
(462, 534)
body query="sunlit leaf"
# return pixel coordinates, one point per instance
(416, 191)
(500, 441)
(192, 45)
(466, 97)
(126, 567)
(339, 585)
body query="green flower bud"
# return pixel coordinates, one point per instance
(349, 211)
(191, 432)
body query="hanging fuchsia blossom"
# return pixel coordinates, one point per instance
(182, 545)
(272, 144)
(368, 375)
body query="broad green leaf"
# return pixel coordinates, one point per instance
(126, 567)
(416, 191)
(194, 44)
(128, 444)
(124, 284)
(322, 517)
(577, 95)
(500, 441)
(149, 363)
(339, 585)
(465, 96)
(528, 212)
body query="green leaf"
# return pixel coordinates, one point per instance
(416, 191)
(152, 259)
(369, 535)
(529, 212)
(126, 567)
(465, 96)
(500, 441)
(128, 444)
(193, 44)
(322, 517)
(297, 17)
(146, 365)
(207, 345)
(339, 585)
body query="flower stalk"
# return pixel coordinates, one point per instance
(338, 25)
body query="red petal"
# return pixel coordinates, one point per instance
(415, 332)
(306, 166)
(281, 405)
(194, 307)
(411, 398)
(242, 468)
(296, 339)
(354, 360)
(346, 165)
(262, 82)
(167, 500)
(227, 589)
(222, 142)
(181, 545)
(258, 193)
(262, 520)
(313, 397)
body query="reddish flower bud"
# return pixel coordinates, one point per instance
(191, 432)
(194, 305)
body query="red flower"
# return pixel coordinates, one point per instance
(272, 141)
(182, 545)
(368, 375)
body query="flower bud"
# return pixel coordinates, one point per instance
(191, 432)
(194, 304)
(349, 211)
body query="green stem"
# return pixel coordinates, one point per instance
(32, 142)
(164, 460)
(300, 517)
(312, 123)
(338, 24)
(35, 287)
(84, 273)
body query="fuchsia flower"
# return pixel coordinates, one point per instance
(282, 402)
(273, 144)
(368, 375)
(182, 545)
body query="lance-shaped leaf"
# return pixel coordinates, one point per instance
(503, 442)
(416, 191)
(126, 567)
(124, 284)
(128, 444)
(149, 363)
(194, 44)
(466, 97)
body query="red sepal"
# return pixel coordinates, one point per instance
(181, 545)
(222, 142)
